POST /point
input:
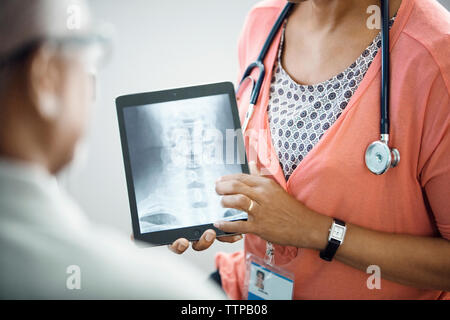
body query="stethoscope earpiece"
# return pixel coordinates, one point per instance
(379, 157)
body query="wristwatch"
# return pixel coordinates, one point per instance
(335, 239)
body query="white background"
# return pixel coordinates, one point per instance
(157, 45)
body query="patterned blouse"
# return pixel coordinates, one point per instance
(300, 114)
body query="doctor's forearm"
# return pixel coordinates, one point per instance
(422, 262)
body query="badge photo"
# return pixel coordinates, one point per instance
(267, 282)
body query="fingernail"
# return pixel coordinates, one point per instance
(181, 246)
(239, 237)
(208, 237)
(217, 225)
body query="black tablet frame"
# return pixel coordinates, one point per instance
(192, 233)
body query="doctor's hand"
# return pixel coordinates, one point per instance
(207, 239)
(273, 214)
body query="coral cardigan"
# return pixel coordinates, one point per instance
(413, 198)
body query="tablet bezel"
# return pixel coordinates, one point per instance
(192, 233)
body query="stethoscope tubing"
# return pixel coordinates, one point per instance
(385, 69)
(379, 157)
(259, 62)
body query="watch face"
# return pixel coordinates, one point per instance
(338, 232)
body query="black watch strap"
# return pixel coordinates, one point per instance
(333, 245)
(329, 252)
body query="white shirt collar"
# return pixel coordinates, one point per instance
(26, 172)
(28, 191)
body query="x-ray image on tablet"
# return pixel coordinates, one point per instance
(176, 144)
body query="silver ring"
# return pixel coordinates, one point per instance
(250, 207)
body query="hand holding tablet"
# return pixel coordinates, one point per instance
(176, 144)
(207, 239)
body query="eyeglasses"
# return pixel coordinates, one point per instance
(97, 50)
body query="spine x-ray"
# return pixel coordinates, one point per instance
(178, 149)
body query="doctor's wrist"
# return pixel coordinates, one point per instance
(317, 227)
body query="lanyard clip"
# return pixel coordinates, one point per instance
(270, 254)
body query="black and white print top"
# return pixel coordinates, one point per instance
(300, 114)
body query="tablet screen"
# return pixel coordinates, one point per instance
(177, 150)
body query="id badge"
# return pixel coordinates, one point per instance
(267, 282)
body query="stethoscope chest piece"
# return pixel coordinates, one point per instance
(379, 157)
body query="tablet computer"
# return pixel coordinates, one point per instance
(176, 144)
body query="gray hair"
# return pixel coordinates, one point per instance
(24, 23)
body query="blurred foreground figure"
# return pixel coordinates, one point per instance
(48, 250)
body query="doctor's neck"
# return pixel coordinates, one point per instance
(327, 14)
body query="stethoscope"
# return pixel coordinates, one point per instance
(379, 157)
